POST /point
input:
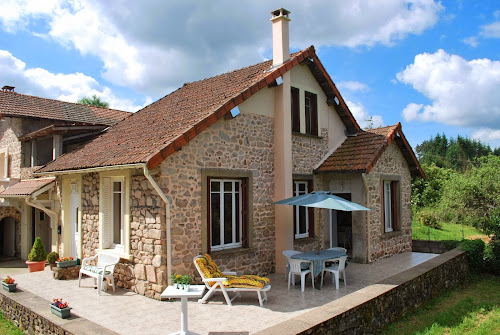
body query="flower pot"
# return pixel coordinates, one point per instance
(36, 266)
(66, 264)
(63, 313)
(9, 287)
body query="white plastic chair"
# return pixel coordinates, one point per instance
(295, 269)
(336, 269)
(288, 254)
(105, 267)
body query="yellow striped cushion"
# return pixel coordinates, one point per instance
(246, 281)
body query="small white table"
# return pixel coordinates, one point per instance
(195, 291)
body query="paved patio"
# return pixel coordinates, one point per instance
(128, 313)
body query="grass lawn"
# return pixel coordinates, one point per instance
(449, 231)
(471, 309)
(8, 328)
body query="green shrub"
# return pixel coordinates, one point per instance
(38, 252)
(492, 255)
(52, 257)
(475, 254)
(450, 244)
(429, 218)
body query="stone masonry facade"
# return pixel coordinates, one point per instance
(244, 143)
(382, 244)
(145, 273)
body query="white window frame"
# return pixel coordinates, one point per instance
(296, 192)
(5, 162)
(120, 180)
(387, 206)
(221, 193)
(122, 249)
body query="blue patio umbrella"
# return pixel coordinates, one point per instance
(322, 199)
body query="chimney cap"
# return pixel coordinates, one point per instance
(7, 88)
(280, 12)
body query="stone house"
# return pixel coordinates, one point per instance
(198, 171)
(34, 131)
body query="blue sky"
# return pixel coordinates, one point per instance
(434, 66)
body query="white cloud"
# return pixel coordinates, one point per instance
(462, 92)
(353, 86)
(362, 116)
(491, 30)
(410, 112)
(472, 41)
(487, 135)
(154, 46)
(66, 87)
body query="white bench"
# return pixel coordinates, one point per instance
(216, 285)
(103, 270)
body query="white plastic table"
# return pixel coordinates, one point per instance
(195, 291)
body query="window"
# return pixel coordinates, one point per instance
(391, 205)
(295, 103)
(311, 111)
(227, 213)
(113, 235)
(302, 216)
(4, 163)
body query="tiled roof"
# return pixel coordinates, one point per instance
(21, 105)
(160, 129)
(26, 187)
(360, 153)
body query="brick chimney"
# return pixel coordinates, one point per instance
(281, 44)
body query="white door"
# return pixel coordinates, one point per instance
(73, 215)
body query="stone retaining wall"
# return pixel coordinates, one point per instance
(32, 315)
(433, 247)
(368, 310)
(70, 272)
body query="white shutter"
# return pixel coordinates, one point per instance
(107, 225)
(4, 164)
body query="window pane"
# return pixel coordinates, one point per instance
(228, 218)
(302, 220)
(228, 186)
(302, 188)
(215, 218)
(215, 186)
(237, 223)
(117, 216)
(117, 186)
(308, 114)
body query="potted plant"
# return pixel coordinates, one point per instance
(37, 257)
(60, 308)
(9, 284)
(65, 262)
(181, 281)
(52, 257)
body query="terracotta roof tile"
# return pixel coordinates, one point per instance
(158, 130)
(25, 187)
(360, 153)
(21, 105)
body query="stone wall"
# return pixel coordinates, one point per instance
(433, 247)
(10, 129)
(244, 143)
(380, 243)
(145, 273)
(307, 151)
(367, 311)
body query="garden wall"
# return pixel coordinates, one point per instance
(433, 247)
(368, 310)
(32, 315)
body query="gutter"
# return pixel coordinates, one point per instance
(94, 169)
(167, 215)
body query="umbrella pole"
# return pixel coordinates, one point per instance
(319, 230)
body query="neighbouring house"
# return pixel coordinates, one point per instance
(33, 132)
(198, 171)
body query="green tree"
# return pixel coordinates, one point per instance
(93, 101)
(427, 192)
